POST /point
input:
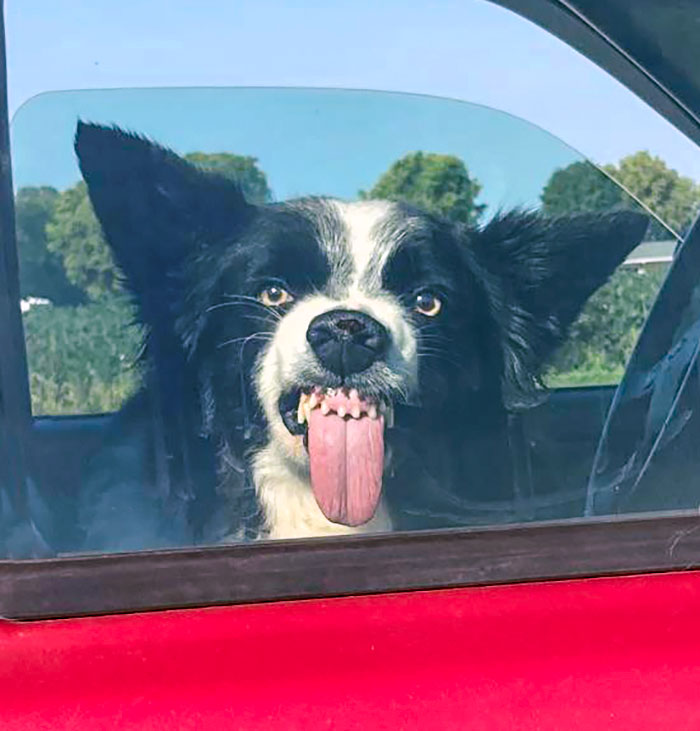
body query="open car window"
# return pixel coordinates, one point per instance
(263, 314)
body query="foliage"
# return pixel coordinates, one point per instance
(440, 184)
(74, 234)
(602, 339)
(672, 197)
(82, 359)
(579, 188)
(604, 336)
(241, 168)
(582, 187)
(41, 272)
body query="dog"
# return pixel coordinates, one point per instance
(318, 367)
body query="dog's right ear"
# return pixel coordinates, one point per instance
(155, 209)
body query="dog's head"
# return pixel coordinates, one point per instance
(318, 318)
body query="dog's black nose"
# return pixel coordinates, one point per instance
(347, 341)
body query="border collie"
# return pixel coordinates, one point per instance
(320, 367)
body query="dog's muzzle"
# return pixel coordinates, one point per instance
(347, 341)
(342, 426)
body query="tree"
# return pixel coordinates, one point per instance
(602, 338)
(75, 237)
(241, 168)
(582, 187)
(41, 273)
(439, 184)
(579, 188)
(672, 197)
(74, 234)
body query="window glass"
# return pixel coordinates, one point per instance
(308, 328)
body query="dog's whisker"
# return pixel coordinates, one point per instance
(272, 314)
(258, 318)
(255, 336)
(221, 305)
(441, 356)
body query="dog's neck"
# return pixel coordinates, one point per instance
(289, 506)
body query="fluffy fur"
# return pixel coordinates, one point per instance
(209, 450)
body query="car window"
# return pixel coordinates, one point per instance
(311, 304)
(292, 312)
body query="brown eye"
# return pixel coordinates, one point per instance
(428, 304)
(274, 296)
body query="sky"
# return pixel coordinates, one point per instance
(469, 50)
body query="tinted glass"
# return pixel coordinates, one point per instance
(316, 312)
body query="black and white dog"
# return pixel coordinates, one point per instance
(320, 367)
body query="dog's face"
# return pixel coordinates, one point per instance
(318, 320)
(350, 309)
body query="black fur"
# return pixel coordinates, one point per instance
(194, 255)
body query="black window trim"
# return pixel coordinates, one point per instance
(351, 565)
(116, 583)
(15, 404)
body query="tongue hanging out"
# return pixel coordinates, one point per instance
(346, 452)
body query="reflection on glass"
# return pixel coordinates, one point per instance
(331, 313)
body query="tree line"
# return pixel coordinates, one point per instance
(81, 351)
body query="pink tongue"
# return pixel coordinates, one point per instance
(347, 460)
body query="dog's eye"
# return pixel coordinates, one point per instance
(274, 296)
(428, 304)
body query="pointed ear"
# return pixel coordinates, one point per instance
(539, 273)
(155, 209)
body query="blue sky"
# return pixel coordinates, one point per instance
(464, 49)
(308, 141)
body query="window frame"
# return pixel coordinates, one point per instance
(266, 571)
(303, 569)
(15, 403)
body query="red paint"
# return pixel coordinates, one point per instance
(600, 653)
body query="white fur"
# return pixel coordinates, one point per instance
(281, 469)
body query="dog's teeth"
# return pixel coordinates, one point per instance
(325, 408)
(313, 401)
(382, 407)
(355, 412)
(372, 412)
(342, 411)
(390, 417)
(301, 412)
(330, 392)
(354, 394)
(307, 411)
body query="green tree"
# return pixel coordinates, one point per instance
(582, 187)
(41, 272)
(74, 234)
(579, 188)
(675, 199)
(439, 184)
(603, 337)
(241, 168)
(82, 359)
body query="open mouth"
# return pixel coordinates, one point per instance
(344, 434)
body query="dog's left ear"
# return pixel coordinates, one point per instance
(538, 274)
(155, 209)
